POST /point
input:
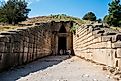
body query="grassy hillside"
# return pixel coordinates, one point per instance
(59, 17)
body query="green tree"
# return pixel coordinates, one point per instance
(107, 19)
(89, 16)
(99, 20)
(114, 16)
(14, 11)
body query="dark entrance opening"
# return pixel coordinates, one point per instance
(62, 29)
(62, 44)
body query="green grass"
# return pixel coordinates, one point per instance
(7, 28)
(116, 28)
(57, 18)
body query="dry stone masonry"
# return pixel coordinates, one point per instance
(95, 42)
(23, 45)
(98, 43)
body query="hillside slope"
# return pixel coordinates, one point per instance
(60, 17)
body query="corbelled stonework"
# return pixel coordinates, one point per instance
(27, 44)
(95, 42)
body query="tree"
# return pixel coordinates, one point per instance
(14, 11)
(89, 16)
(99, 20)
(107, 19)
(114, 11)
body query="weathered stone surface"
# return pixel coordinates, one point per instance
(103, 46)
(117, 62)
(116, 45)
(91, 28)
(93, 42)
(26, 44)
(106, 38)
(4, 38)
(116, 38)
(2, 47)
(118, 53)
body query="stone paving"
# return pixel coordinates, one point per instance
(57, 68)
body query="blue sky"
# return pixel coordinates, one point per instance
(76, 8)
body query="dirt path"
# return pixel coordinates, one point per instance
(55, 68)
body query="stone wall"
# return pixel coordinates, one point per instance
(91, 41)
(24, 45)
(98, 43)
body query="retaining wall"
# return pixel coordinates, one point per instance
(24, 45)
(98, 43)
(91, 41)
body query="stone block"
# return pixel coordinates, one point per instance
(103, 56)
(20, 61)
(25, 44)
(109, 44)
(1, 61)
(29, 57)
(4, 38)
(90, 28)
(116, 44)
(16, 59)
(15, 35)
(106, 38)
(16, 47)
(25, 49)
(118, 53)
(25, 57)
(30, 50)
(9, 47)
(5, 47)
(117, 63)
(21, 47)
(116, 38)
(2, 47)
(6, 60)
(98, 35)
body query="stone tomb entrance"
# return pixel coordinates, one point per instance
(62, 43)
(62, 37)
(62, 40)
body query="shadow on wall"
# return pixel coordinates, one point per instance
(41, 64)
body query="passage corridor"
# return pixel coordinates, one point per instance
(57, 68)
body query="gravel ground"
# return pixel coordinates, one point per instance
(57, 68)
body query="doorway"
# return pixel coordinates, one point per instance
(62, 45)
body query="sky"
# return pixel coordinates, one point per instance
(76, 8)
